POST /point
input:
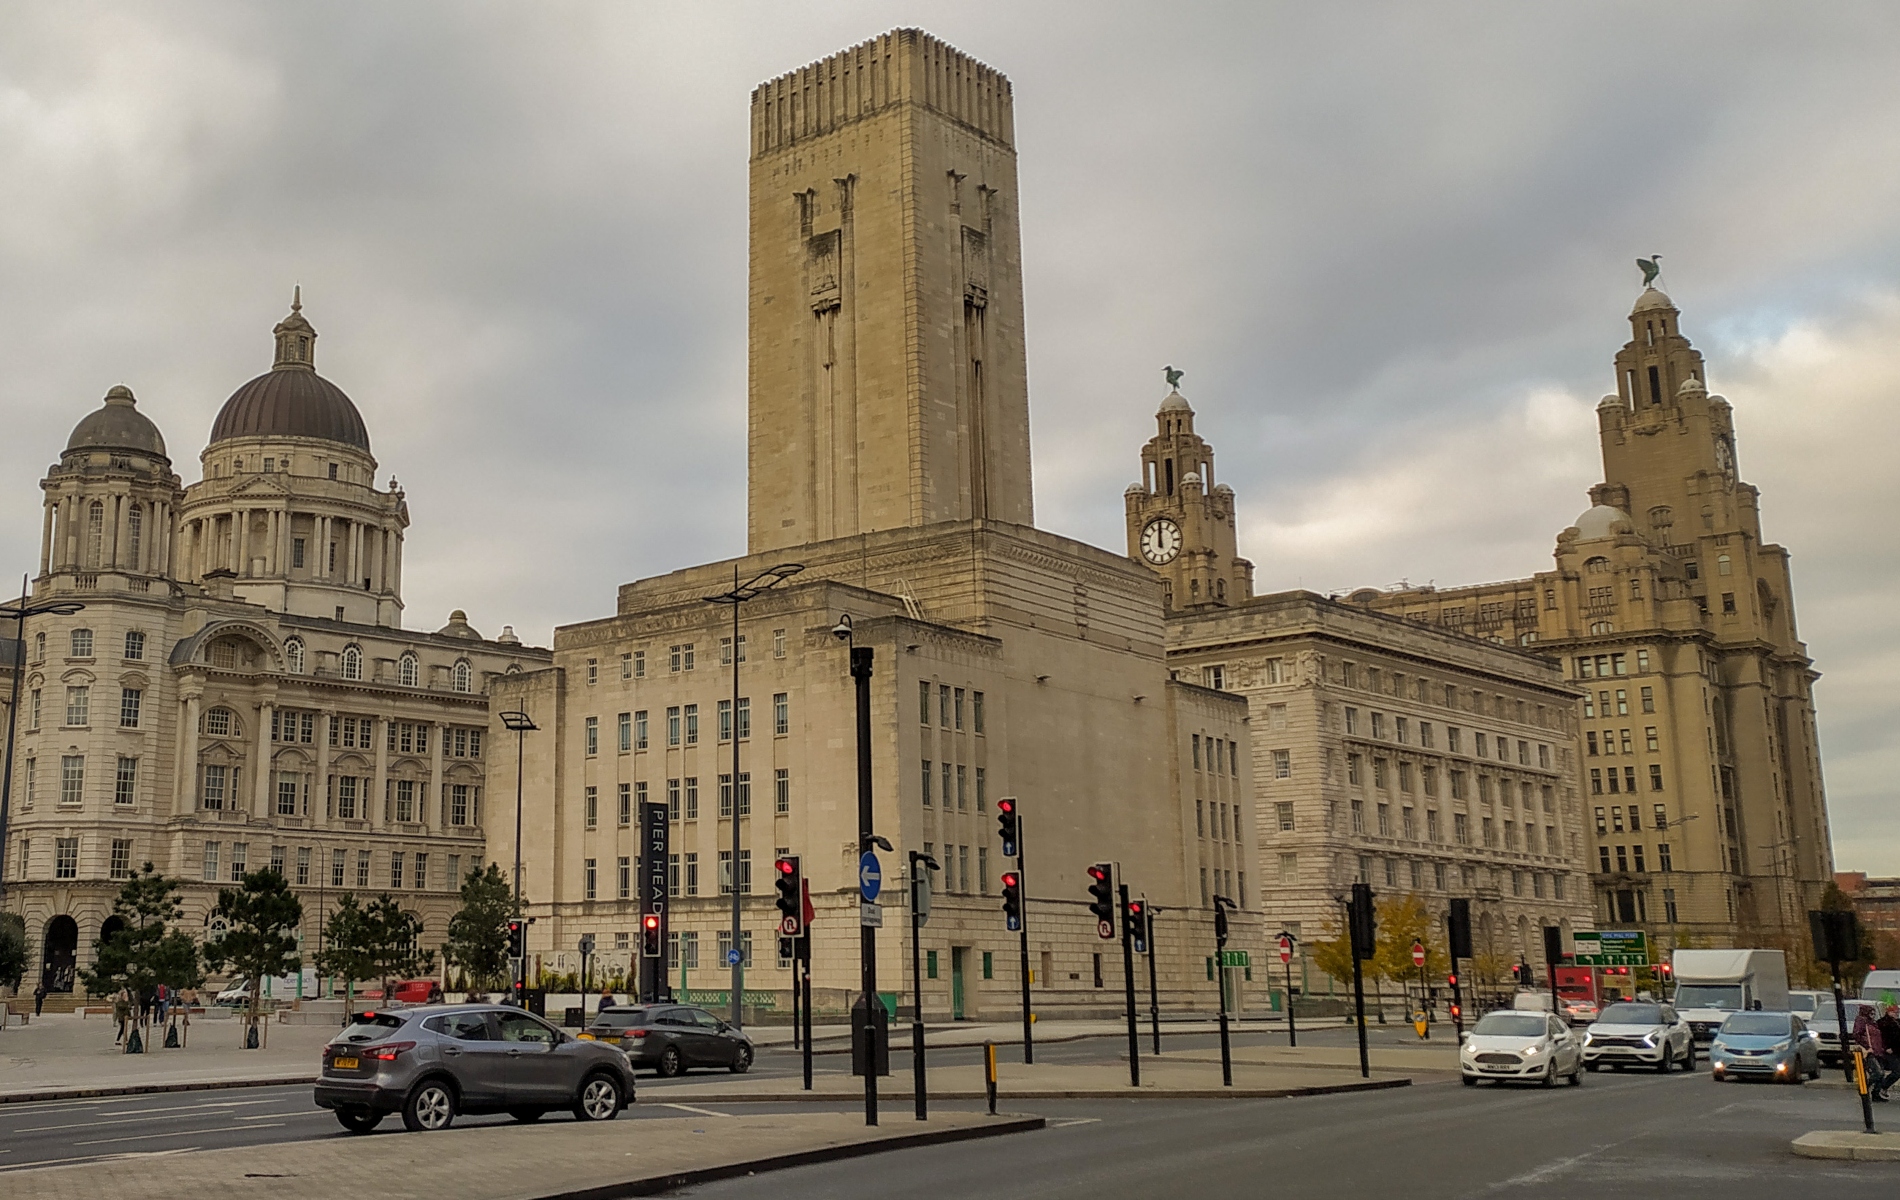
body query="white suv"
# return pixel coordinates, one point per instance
(1639, 1034)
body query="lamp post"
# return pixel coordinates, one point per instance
(861, 662)
(20, 612)
(521, 724)
(740, 593)
(919, 913)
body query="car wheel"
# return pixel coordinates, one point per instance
(1550, 1076)
(1668, 1061)
(358, 1122)
(671, 1064)
(742, 1060)
(1576, 1074)
(1592, 1067)
(599, 1099)
(527, 1116)
(1688, 1055)
(430, 1106)
(1468, 1080)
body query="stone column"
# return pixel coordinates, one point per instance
(437, 788)
(326, 721)
(262, 805)
(121, 530)
(379, 796)
(46, 536)
(64, 549)
(188, 757)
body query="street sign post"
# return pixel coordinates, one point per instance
(1418, 953)
(1611, 948)
(1286, 961)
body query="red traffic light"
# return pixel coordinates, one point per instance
(1098, 872)
(1006, 805)
(1009, 879)
(786, 866)
(1134, 908)
(1452, 980)
(1456, 1012)
(652, 920)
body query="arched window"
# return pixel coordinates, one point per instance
(1722, 564)
(221, 722)
(1602, 627)
(134, 530)
(293, 656)
(1220, 589)
(352, 663)
(95, 533)
(407, 671)
(1597, 565)
(464, 676)
(39, 647)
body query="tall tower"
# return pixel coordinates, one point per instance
(1180, 522)
(887, 379)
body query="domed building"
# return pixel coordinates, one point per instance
(237, 691)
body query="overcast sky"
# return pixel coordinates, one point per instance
(1391, 245)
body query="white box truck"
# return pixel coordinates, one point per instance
(1711, 984)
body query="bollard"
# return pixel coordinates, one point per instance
(989, 1073)
(1860, 1085)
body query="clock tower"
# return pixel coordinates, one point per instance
(1180, 522)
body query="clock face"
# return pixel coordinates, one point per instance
(1161, 541)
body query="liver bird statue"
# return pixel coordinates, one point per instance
(1174, 377)
(1652, 267)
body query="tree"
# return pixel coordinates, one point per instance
(12, 949)
(261, 920)
(1833, 899)
(478, 932)
(143, 953)
(348, 945)
(395, 941)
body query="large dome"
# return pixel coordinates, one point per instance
(117, 426)
(291, 399)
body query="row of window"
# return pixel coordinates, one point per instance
(1223, 882)
(948, 785)
(1221, 820)
(1481, 742)
(1651, 742)
(348, 796)
(1374, 679)
(1488, 828)
(681, 657)
(1633, 856)
(1221, 755)
(350, 665)
(1427, 777)
(682, 725)
(1599, 704)
(1413, 873)
(1625, 781)
(402, 870)
(682, 798)
(949, 706)
(79, 707)
(80, 645)
(72, 781)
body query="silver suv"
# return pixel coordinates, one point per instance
(431, 1063)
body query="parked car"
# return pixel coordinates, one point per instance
(1826, 1028)
(672, 1038)
(431, 1064)
(238, 995)
(1508, 1044)
(416, 991)
(1765, 1045)
(1630, 1034)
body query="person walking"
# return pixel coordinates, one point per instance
(122, 1013)
(1872, 1040)
(39, 996)
(1889, 1027)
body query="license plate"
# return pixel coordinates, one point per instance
(345, 1064)
(611, 1038)
(1488, 1067)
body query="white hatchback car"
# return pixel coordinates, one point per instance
(1533, 1046)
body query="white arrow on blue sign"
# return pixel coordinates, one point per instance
(870, 876)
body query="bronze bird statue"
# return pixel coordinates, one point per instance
(1651, 267)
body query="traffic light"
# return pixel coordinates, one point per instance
(1102, 898)
(1012, 901)
(1137, 918)
(1365, 941)
(1665, 971)
(1220, 920)
(1451, 980)
(1457, 1011)
(517, 938)
(1006, 824)
(1458, 922)
(791, 906)
(650, 946)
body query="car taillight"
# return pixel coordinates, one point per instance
(388, 1051)
(639, 1033)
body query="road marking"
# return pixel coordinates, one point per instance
(315, 1112)
(130, 1117)
(146, 1137)
(704, 1112)
(1075, 1121)
(88, 1158)
(1547, 1171)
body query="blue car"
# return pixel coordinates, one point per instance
(1776, 1046)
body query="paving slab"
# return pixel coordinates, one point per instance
(556, 1161)
(1849, 1143)
(63, 1056)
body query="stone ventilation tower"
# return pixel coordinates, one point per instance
(288, 514)
(109, 503)
(1180, 522)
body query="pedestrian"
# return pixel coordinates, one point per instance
(1889, 1026)
(1872, 1040)
(39, 996)
(607, 1000)
(121, 1012)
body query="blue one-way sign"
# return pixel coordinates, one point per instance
(870, 876)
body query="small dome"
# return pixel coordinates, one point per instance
(1175, 402)
(118, 426)
(458, 626)
(1600, 521)
(1690, 386)
(1191, 479)
(507, 636)
(1610, 401)
(1651, 298)
(1221, 489)
(1134, 489)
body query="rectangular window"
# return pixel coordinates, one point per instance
(1283, 812)
(129, 700)
(362, 868)
(781, 714)
(692, 724)
(1596, 781)
(66, 858)
(927, 776)
(303, 867)
(778, 643)
(240, 860)
(406, 800)
(1425, 734)
(692, 797)
(590, 806)
(589, 879)
(1461, 828)
(1289, 868)
(725, 720)
(976, 712)
(288, 785)
(626, 666)
(210, 871)
(339, 862)
(396, 862)
(781, 791)
(1649, 699)
(593, 671)
(962, 789)
(626, 732)
(639, 664)
(591, 738)
(1662, 858)
(623, 878)
(458, 803)
(673, 725)
(1352, 720)
(1454, 739)
(78, 706)
(745, 717)
(943, 705)
(956, 708)
(1431, 825)
(1358, 816)
(624, 805)
(134, 646)
(923, 702)
(126, 785)
(692, 874)
(1637, 855)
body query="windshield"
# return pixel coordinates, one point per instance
(1756, 1025)
(1499, 1024)
(621, 1018)
(1631, 1014)
(1726, 996)
(1804, 1002)
(370, 1027)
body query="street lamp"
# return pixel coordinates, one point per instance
(521, 724)
(20, 612)
(919, 912)
(740, 593)
(861, 662)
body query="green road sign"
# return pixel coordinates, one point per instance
(1235, 958)
(1611, 948)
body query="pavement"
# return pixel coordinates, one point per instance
(1855, 1144)
(508, 1162)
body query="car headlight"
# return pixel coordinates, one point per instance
(1532, 1051)
(1782, 1045)
(1589, 1039)
(1649, 1039)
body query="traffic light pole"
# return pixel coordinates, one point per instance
(1292, 1034)
(861, 660)
(1128, 988)
(1154, 993)
(804, 964)
(917, 991)
(1220, 988)
(1022, 876)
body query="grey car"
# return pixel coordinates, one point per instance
(430, 1064)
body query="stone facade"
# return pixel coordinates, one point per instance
(1675, 619)
(238, 691)
(889, 460)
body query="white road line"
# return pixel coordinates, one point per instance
(314, 1112)
(1075, 1121)
(133, 1117)
(86, 1158)
(146, 1137)
(704, 1112)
